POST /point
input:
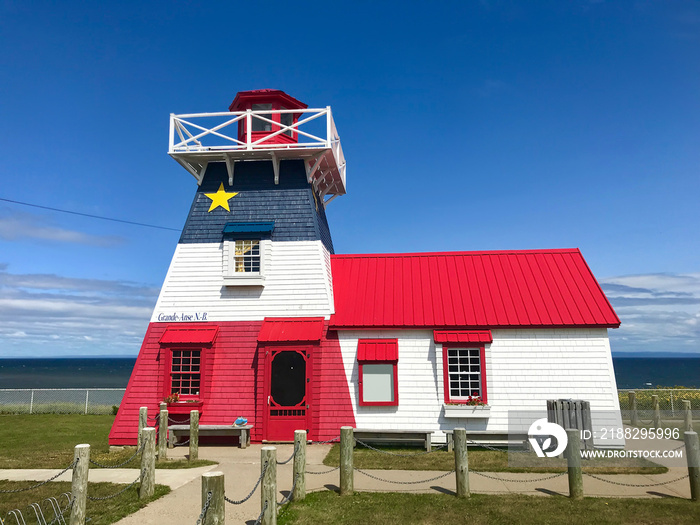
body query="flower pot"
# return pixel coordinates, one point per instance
(467, 411)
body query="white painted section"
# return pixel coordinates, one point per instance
(524, 368)
(296, 284)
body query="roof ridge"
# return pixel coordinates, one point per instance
(475, 253)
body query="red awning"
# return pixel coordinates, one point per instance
(200, 335)
(291, 330)
(378, 350)
(463, 336)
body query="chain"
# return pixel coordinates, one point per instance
(125, 462)
(634, 484)
(323, 472)
(234, 502)
(290, 458)
(334, 440)
(94, 498)
(262, 512)
(204, 509)
(291, 493)
(42, 483)
(511, 480)
(182, 444)
(404, 482)
(422, 453)
(487, 447)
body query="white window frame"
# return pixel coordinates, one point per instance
(234, 278)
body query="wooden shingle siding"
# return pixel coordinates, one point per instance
(524, 368)
(291, 204)
(296, 283)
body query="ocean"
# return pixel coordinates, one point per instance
(630, 372)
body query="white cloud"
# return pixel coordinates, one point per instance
(659, 312)
(22, 226)
(50, 315)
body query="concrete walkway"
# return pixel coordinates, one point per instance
(241, 468)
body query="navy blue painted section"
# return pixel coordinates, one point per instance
(298, 214)
(249, 227)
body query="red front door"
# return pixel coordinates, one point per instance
(287, 380)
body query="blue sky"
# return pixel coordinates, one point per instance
(466, 125)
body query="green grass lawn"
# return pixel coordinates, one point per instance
(48, 441)
(483, 461)
(101, 512)
(391, 508)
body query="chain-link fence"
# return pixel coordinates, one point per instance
(60, 400)
(670, 401)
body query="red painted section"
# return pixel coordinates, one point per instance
(462, 336)
(465, 290)
(189, 335)
(331, 394)
(233, 381)
(291, 330)
(278, 100)
(381, 350)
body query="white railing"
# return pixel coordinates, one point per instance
(200, 132)
(60, 400)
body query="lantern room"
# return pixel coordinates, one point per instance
(273, 110)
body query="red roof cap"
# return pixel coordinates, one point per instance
(244, 99)
(291, 330)
(463, 290)
(378, 350)
(199, 335)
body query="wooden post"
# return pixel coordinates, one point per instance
(692, 455)
(80, 483)
(657, 411)
(268, 492)
(143, 423)
(688, 415)
(634, 417)
(163, 433)
(194, 435)
(214, 482)
(461, 462)
(573, 460)
(347, 480)
(148, 463)
(299, 470)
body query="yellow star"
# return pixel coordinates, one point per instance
(220, 198)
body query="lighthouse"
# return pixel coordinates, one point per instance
(258, 316)
(238, 327)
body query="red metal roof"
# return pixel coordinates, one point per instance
(196, 335)
(378, 350)
(462, 336)
(537, 288)
(291, 329)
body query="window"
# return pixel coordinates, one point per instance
(261, 125)
(464, 373)
(286, 119)
(378, 380)
(246, 256)
(244, 248)
(185, 372)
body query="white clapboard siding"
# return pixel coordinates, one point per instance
(524, 368)
(296, 283)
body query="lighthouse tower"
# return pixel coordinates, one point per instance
(240, 326)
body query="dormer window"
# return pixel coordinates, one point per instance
(244, 248)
